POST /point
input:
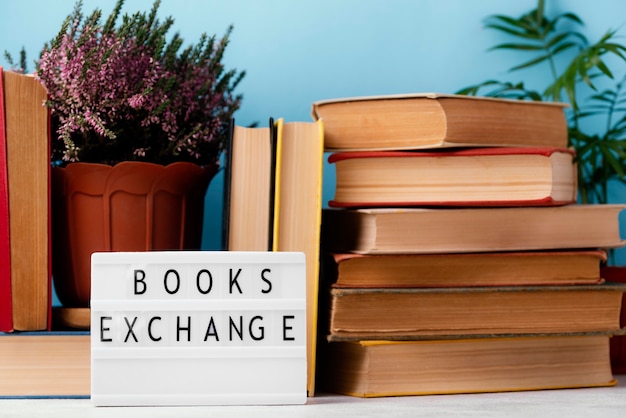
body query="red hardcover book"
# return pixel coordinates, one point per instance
(466, 177)
(6, 315)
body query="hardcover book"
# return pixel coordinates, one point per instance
(298, 211)
(27, 134)
(385, 368)
(45, 364)
(467, 177)
(250, 185)
(515, 268)
(397, 314)
(454, 230)
(431, 120)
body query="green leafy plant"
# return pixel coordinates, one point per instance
(578, 72)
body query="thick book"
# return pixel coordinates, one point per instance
(250, 185)
(396, 314)
(45, 364)
(28, 169)
(298, 211)
(515, 268)
(6, 311)
(430, 120)
(384, 368)
(453, 230)
(468, 177)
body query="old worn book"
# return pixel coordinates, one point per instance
(6, 310)
(384, 368)
(515, 268)
(249, 185)
(361, 314)
(466, 177)
(452, 230)
(28, 172)
(298, 211)
(430, 120)
(45, 364)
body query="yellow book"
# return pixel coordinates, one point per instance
(298, 208)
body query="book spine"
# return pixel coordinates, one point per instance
(6, 310)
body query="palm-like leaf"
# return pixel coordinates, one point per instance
(506, 90)
(601, 157)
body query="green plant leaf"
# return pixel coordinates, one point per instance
(518, 47)
(531, 63)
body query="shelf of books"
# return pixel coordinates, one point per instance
(454, 255)
(456, 258)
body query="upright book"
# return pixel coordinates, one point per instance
(298, 211)
(514, 268)
(413, 313)
(384, 368)
(28, 169)
(453, 230)
(6, 311)
(250, 183)
(413, 121)
(467, 177)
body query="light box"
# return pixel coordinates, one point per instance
(198, 328)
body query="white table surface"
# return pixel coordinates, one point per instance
(566, 403)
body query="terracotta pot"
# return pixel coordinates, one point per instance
(132, 206)
(618, 342)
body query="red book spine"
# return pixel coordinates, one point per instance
(6, 315)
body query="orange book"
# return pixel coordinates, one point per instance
(515, 268)
(385, 368)
(417, 313)
(454, 230)
(468, 177)
(28, 173)
(45, 364)
(431, 120)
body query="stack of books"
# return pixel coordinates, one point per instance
(458, 260)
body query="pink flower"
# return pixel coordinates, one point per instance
(118, 93)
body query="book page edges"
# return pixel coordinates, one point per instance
(399, 210)
(424, 95)
(599, 253)
(465, 152)
(612, 382)
(546, 201)
(314, 297)
(608, 286)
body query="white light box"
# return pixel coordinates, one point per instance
(198, 328)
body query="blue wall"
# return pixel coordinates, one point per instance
(296, 52)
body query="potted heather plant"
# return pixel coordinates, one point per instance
(138, 126)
